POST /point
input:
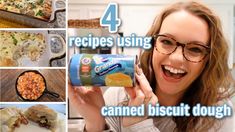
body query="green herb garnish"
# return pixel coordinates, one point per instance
(33, 6)
(41, 1)
(40, 13)
(15, 41)
(17, 6)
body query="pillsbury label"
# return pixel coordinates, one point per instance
(102, 70)
(109, 69)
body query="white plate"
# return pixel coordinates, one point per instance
(34, 127)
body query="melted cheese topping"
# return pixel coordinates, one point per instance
(41, 9)
(14, 45)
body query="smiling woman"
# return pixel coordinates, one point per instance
(188, 62)
(188, 59)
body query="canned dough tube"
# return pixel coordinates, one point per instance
(102, 70)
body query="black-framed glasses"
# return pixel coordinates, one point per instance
(192, 51)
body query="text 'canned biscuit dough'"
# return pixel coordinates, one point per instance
(118, 79)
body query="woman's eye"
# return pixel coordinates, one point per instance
(166, 42)
(195, 50)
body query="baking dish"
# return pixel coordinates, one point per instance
(33, 21)
(47, 55)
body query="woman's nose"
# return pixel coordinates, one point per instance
(177, 55)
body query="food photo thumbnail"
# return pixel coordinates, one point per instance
(32, 117)
(33, 85)
(31, 48)
(32, 13)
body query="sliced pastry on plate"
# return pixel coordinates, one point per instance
(42, 115)
(11, 118)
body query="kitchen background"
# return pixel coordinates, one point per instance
(137, 17)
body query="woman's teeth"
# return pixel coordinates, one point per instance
(174, 70)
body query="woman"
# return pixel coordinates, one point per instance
(187, 63)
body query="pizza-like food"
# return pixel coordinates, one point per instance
(41, 9)
(14, 45)
(31, 85)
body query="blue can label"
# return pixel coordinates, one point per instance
(102, 70)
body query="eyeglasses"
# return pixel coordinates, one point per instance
(192, 51)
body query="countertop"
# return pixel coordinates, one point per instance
(55, 81)
(76, 125)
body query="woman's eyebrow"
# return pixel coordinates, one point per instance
(167, 34)
(193, 41)
(199, 42)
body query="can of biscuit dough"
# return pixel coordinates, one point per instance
(102, 70)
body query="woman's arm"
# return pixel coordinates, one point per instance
(114, 96)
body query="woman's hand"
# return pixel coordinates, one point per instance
(140, 94)
(88, 102)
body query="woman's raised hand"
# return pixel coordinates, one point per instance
(140, 94)
(88, 102)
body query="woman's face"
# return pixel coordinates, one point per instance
(173, 72)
